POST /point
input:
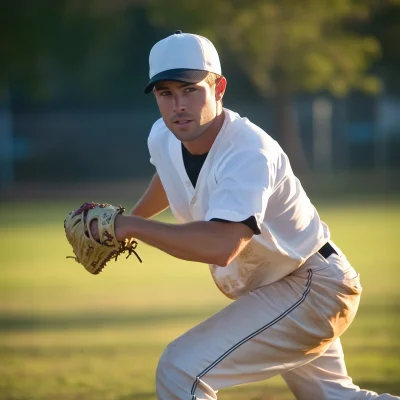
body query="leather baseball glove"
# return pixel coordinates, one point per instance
(92, 254)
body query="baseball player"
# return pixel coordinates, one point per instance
(242, 211)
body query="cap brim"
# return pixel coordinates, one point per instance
(177, 75)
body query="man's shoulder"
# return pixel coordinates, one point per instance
(246, 133)
(158, 130)
(158, 126)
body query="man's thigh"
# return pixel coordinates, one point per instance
(260, 335)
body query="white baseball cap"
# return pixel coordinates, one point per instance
(182, 57)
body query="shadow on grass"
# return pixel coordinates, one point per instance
(28, 322)
(75, 321)
(81, 351)
(24, 322)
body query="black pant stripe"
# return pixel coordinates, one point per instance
(252, 335)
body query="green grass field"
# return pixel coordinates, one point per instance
(65, 334)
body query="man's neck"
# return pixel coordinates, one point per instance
(204, 143)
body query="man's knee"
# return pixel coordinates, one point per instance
(171, 375)
(176, 375)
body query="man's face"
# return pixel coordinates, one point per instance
(187, 109)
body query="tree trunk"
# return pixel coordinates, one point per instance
(287, 127)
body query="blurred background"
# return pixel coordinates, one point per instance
(320, 76)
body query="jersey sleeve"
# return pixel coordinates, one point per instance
(154, 140)
(243, 188)
(250, 222)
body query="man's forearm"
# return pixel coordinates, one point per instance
(201, 241)
(153, 201)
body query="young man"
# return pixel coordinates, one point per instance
(243, 212)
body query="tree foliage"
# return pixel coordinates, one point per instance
(284, 45)
(384, 25)
(41, 40)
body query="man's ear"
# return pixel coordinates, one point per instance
(220, 88)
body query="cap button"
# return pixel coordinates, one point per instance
(178, 32)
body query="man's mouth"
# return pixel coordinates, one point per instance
(182, 122)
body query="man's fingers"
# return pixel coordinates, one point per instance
(94, 230)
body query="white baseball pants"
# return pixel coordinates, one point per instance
(290, 327)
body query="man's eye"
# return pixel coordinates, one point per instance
(165, 93)
(190, 89)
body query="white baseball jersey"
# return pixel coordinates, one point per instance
(246, 173)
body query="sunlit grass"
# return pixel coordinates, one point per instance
(65, 334)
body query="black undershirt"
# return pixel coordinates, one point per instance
(193, 164)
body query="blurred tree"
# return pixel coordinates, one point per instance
(50, 50)
(44, 40)
(385, 26)
(284, 47)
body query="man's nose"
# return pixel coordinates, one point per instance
(179, 104)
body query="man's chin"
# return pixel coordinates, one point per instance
(185, 138)
(185, 135)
